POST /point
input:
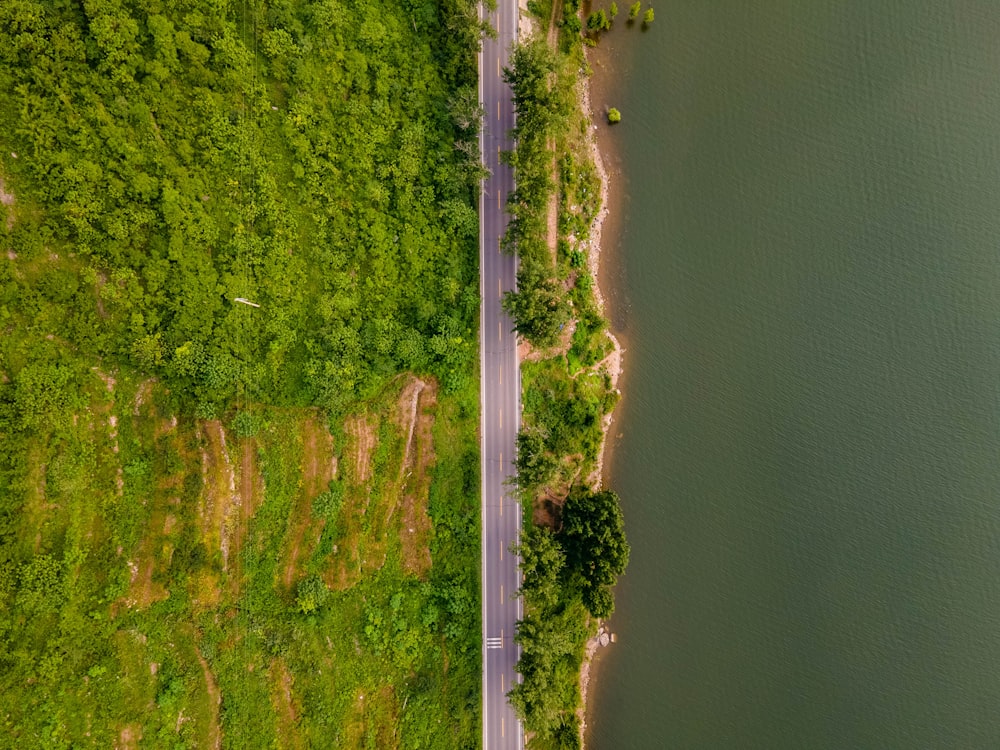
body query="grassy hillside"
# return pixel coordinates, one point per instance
(224, 525)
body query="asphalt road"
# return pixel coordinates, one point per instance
(501, 397)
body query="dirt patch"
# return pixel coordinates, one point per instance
(319, 466)
(416, 411)
(552, 35)
(218, 497)
(36, 505)
(361, 443)
(214, 702)
(285, 706)
(7, 200)
(251, 483)
(142, 394)
(129, 737)
(373, 715)
(547, 511)
(527, 353)
(357, 548)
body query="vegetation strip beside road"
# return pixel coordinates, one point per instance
(573, 547)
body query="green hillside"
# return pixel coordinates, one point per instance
(224, 525)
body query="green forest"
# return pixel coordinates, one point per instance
(238, 385)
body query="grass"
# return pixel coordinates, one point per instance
(144, 623)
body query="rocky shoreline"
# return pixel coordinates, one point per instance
(612, 363)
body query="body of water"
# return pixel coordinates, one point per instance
(806, 269)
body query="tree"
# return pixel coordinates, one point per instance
(542, 562)
(598, 21)
(535, 462)
(648, 18)
(539, 311)
(613, 11)
(614, 116)
(310, 594)
(633, 10)
(593, 535)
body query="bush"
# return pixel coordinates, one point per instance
(614, 116)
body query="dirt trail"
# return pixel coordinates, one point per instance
(364, 440)
(417, 406)
(214, 702)
(7, 200)
(319, 467)
(219, 496)
(284, 705)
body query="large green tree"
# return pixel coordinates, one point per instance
(593, 534)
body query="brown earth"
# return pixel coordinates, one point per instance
(373, 715)
(362, 441)
(214, 702)
(218, 495)
(394, 503)
(7, 200)
(348, 559)
(129, 737)
(416, 416)
(319, 466)
(251, 483)
(285, 706)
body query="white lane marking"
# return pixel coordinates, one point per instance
(502, 727)
(499, 291)
(498, 59)
(501, 549)
(498, 109)
(501, 593)
(501, 682)
(499, 332)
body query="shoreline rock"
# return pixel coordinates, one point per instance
(613, 364)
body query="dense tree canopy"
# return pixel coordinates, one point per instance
(310, 156)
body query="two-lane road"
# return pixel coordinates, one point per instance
(501, 397)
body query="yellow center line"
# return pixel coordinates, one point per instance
(500, 368)
(501, 419)
(499, 333)
(498, 62)
(501, 593)
(498, 109)
(501, 549)
(501, 682)
(499, 293)
(502, 727)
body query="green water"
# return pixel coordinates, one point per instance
(809, 285)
